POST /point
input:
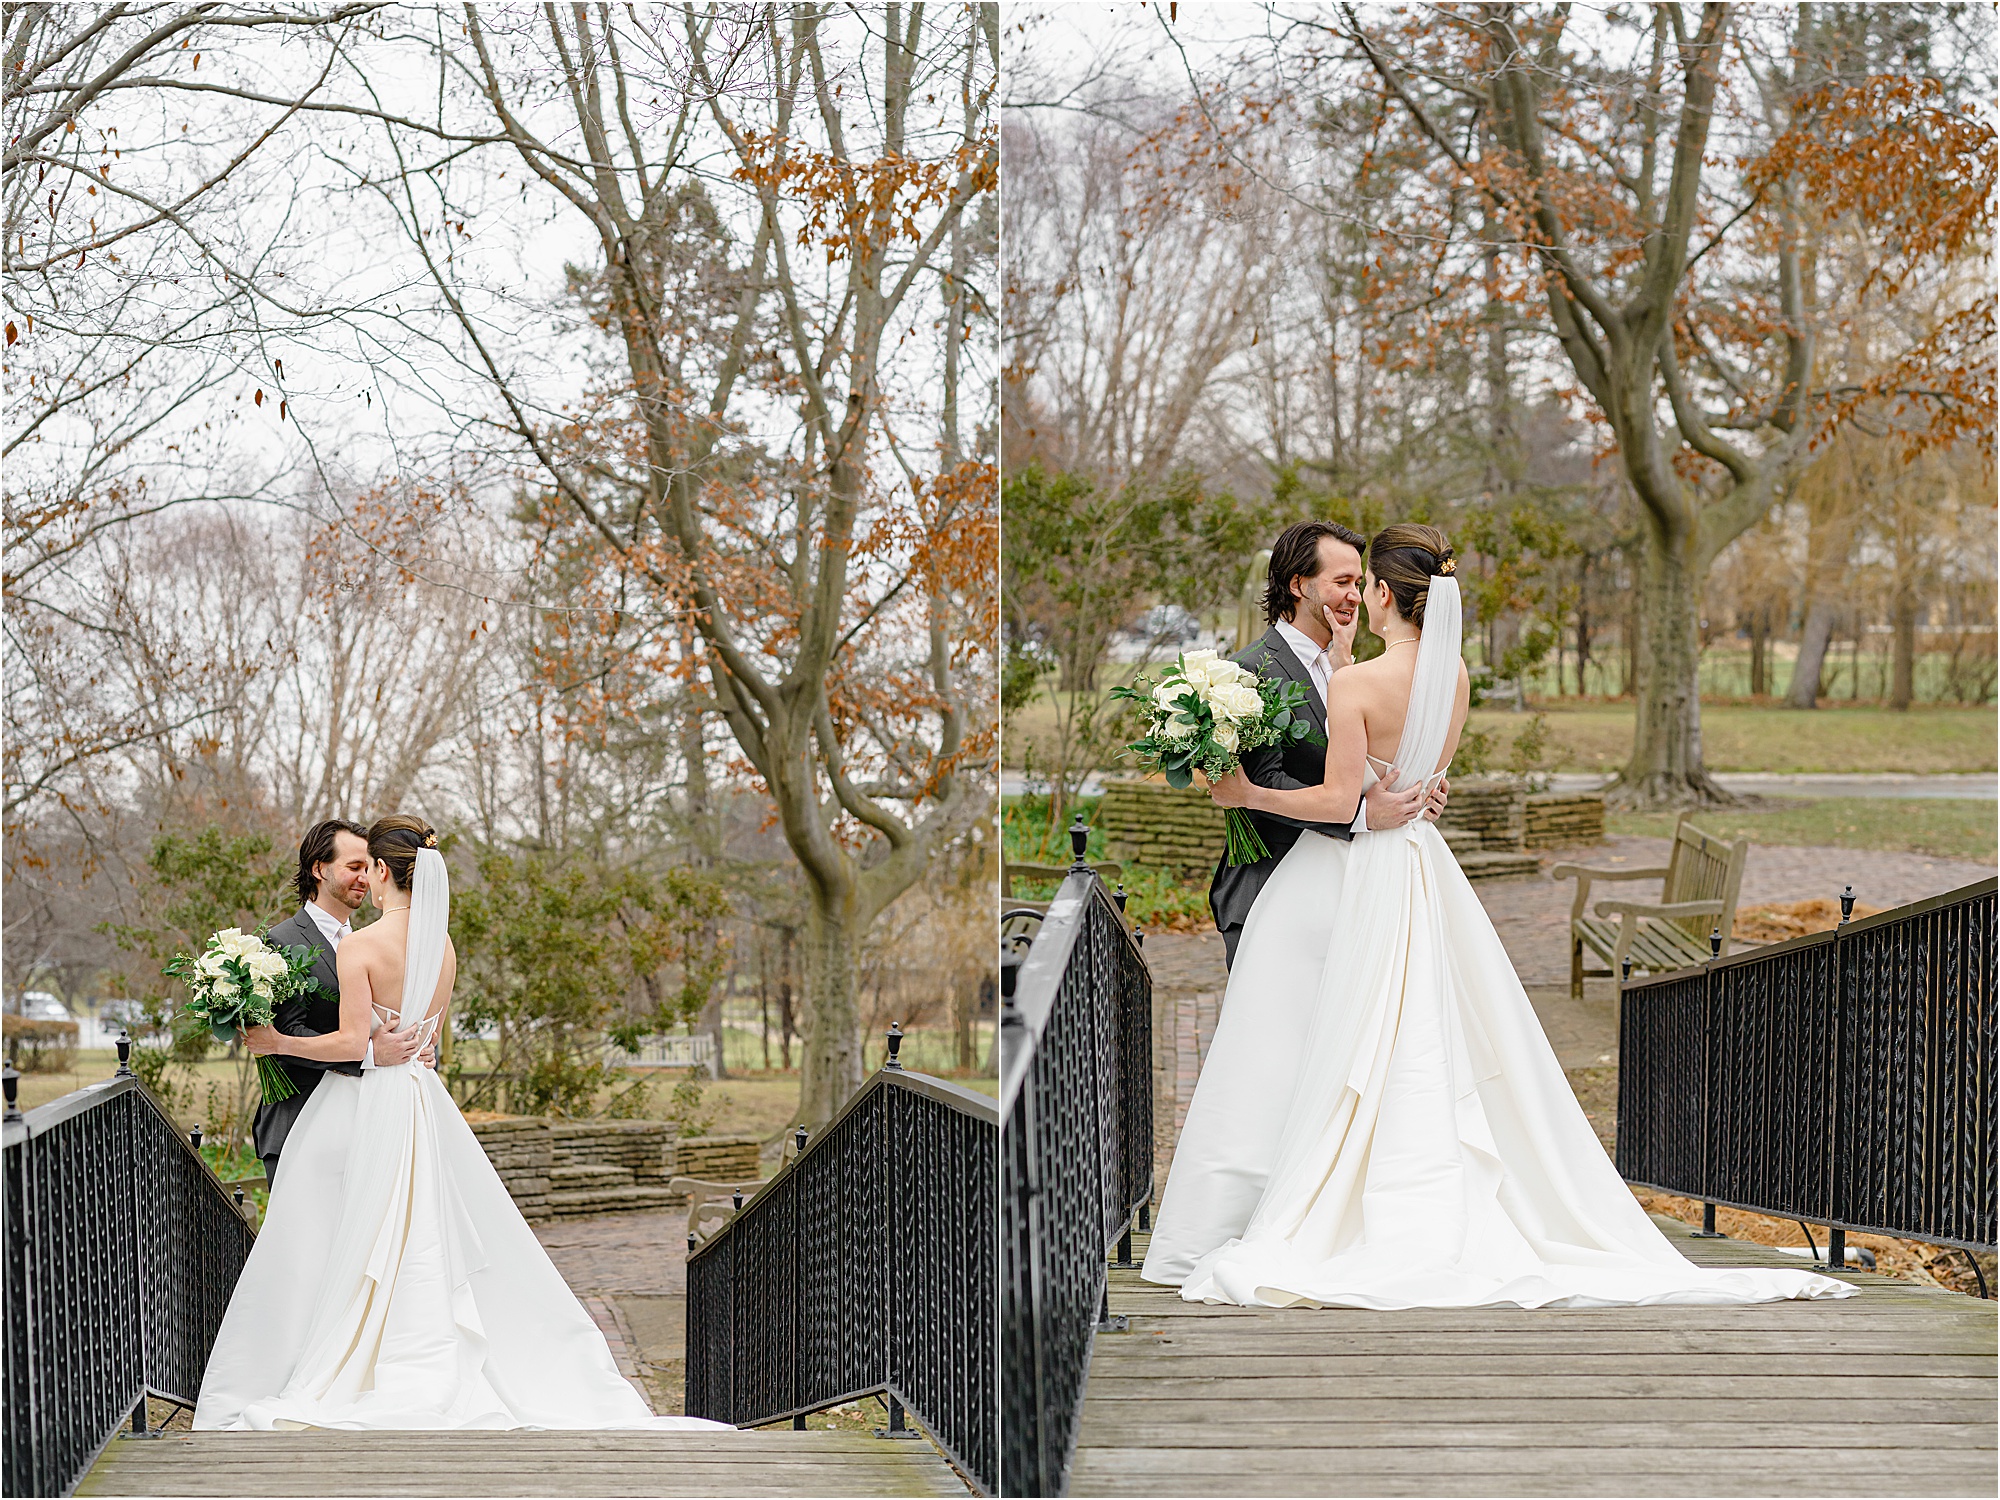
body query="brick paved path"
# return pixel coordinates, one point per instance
(630, 1273)
(1531, 914)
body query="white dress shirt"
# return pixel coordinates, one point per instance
(333, 932)
(1312, 656)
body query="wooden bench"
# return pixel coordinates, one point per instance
(705, 1199)
(1107, 871)
(1700, 883)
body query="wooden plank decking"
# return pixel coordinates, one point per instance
(1888, 1393)
(771, 1461)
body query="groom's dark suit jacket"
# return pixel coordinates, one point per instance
(312, 1015)
(1234, 889)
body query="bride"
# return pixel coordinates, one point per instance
(1380, 1122)
(394, 1283)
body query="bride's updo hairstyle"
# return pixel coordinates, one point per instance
(395, 841)
(1406, 557)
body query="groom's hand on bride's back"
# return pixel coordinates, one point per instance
(1387, 809)
(1434, 806)
(394, 1047)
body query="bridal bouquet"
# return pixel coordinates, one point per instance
(240, 980)
(1202, 715)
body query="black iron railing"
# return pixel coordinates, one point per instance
(864, 1267)
(1076, 1096)
(122, 1251)
(1845, 1078)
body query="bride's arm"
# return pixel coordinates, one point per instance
(1335, 799)
(357, 1015)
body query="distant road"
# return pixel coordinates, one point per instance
(1761, 783)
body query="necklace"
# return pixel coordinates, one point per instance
(405, 907)
(1405, 641)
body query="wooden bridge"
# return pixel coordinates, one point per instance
(1891, 1392)
(766, 1462)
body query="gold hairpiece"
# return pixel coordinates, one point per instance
(430, 840)
(1448, 567)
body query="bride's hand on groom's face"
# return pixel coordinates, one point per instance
(1341, 650)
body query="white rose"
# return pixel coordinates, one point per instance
(1236, 701)
(1168, 692)
(1225, 736)
(1203, 658)
(266, 965)
(211, 963)
(1178, 728)
(261, 988)
(1194, 673)
(1227, 671)
(226, 988)
(230, 941)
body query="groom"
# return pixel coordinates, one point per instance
(332, 882)
(1312, 601)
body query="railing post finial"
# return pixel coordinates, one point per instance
(799, 1141)
(124, 1055)
(13, 1086)
(1715, 942)
(194, 1138)
(736, 1200)
(1846, 906)
(1119, 895)
(1625, 969)
(1079, 840)
(895, 1046)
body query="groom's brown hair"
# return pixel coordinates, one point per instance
(316, 848)
(1295, 554)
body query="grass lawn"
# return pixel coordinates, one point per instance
(1596, 735)
(745, 1103)
(1948, 827)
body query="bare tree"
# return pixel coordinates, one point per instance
(841, 616)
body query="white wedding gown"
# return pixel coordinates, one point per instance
(394, 1284)
(1380, 1121)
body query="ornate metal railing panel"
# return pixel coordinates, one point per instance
(1077, 1110)
(121, 1251)
(865, 1266)
(1845, 1078)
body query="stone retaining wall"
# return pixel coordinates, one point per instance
(1556, 819)
(562, 1168)
(718, 1158)
(1490, 809)
(1501, 815)
(1149, 824)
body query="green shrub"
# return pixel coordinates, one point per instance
(40, 1046)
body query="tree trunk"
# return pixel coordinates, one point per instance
(1760, 651)
(1903, 682)
(1666, 766)
(787, 1015)
(1813, 643)
(830, 1057)
(1583, 625)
